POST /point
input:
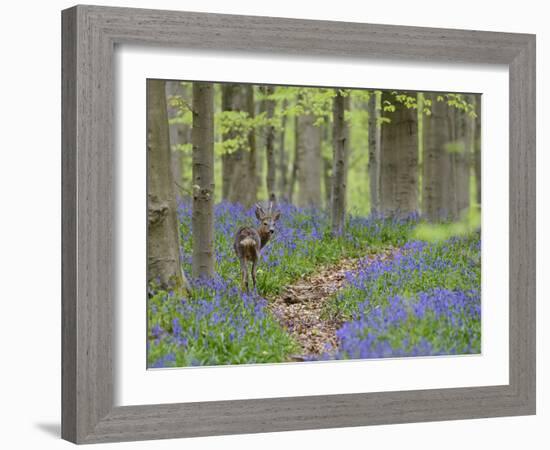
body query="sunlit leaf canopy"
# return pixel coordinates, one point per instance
(232, 127)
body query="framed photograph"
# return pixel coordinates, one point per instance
(267, 222)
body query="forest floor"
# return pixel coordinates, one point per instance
(381, 290)
(299, 308)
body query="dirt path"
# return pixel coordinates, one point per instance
(298, 308)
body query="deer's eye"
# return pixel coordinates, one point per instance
(265, 223)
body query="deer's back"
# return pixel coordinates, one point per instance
(247, 243)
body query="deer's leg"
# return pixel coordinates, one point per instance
(244, 274)
(254, 263)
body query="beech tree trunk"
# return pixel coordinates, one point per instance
(203, 179)
(163, 261)
(235, 165)
(437, 189)
(340, 138)
(309, 150)
(460, 161)
(477, 148)
(269, 143)
(327, 166)
(282, 163)
(176, 130)
(470, 149)
(374, 152)
(252, 178)
(327, 179)
(296, 162)
(399, 161)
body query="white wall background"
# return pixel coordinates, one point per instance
(31, 209)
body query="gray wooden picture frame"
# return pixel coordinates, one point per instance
(90, 34)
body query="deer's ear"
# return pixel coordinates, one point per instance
(277, 215)
(259, 212)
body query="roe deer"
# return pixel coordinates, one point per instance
(249, 241)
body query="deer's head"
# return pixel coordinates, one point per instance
(267, 220)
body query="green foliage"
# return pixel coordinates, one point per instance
(358, 187)
(184, 113)
(235, 127)
(403, 99)
(184, 148)
(436, 232)
(388, 106)
(454, 100)
(453, 264)
(360, 96)
(406, 100)
(213, 327)
(457, 147)
(318, 102)
(399, 98)
(232, 128)
(418, 101)
(459, 102)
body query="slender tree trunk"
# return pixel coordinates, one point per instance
(340, 149)
(420, 105)
(477, 148)
(229, 96)
(460, 162)
(327, 166)
(327, 179)
(437, 189)
(374, 152)
(399, 161)
(203, 179)
(235, 165)
(174, 88)
(283, 182)
(163, 262)
(269, 143)
(252, 178)
(309, 149)
(470, 146)
(296, 162)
